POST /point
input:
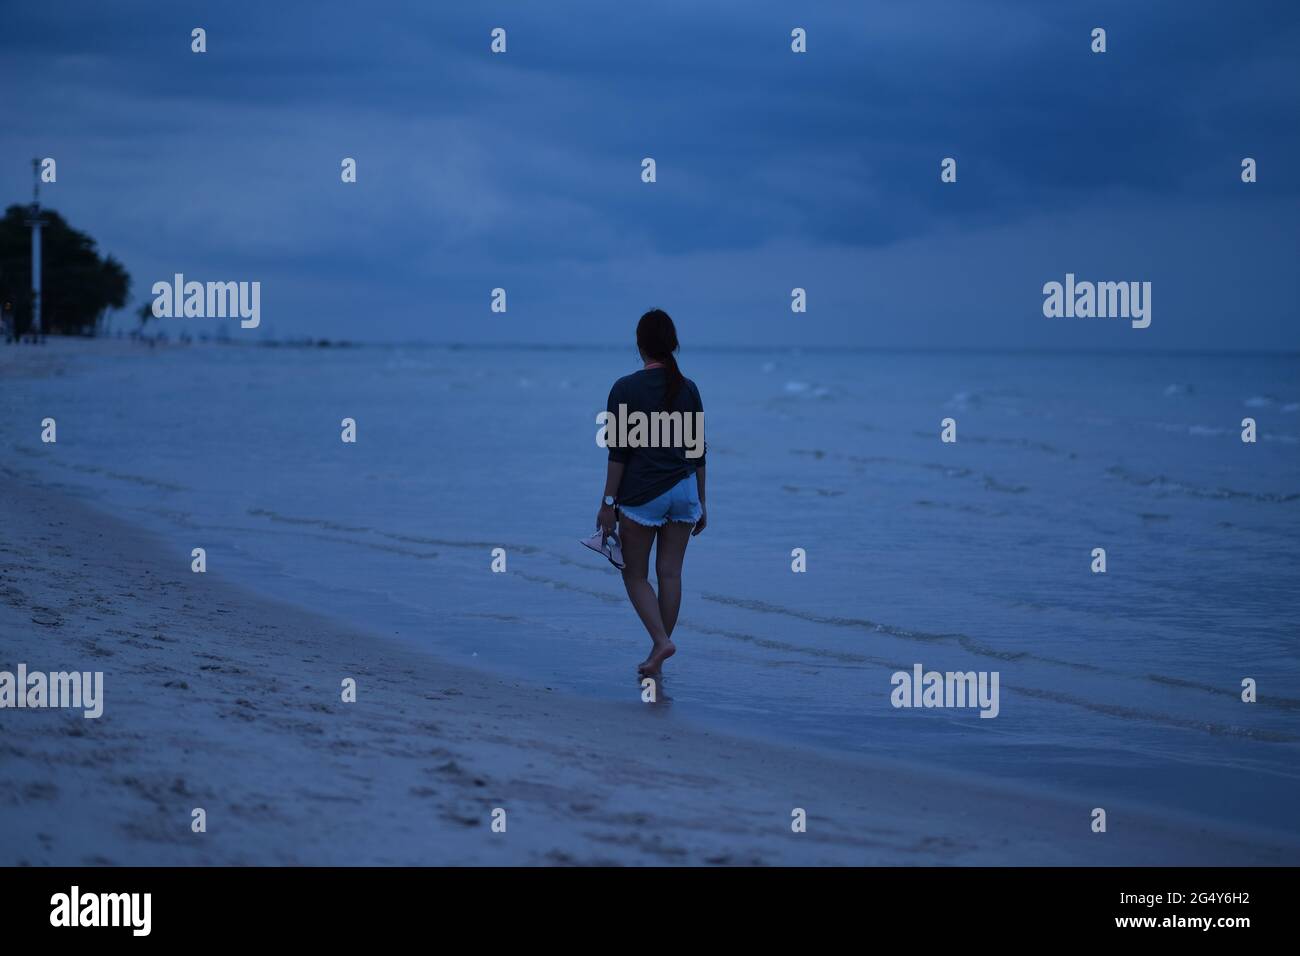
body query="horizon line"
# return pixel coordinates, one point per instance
(327, 342)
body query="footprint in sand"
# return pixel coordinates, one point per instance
(40, 790)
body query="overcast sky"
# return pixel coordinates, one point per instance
(775, 170)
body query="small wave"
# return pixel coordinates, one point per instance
(329, 525)
(317, 535)
(965, 508)
(975, 398)
(1008, 442)
(401, 363)
(964, 641)
(1284, 703)
(844, 657)
(806, 390)
(1134, 713)
(316, 522)
(949, 471)
(1260, 401)
(607, 596)
(457, 542)
(1170, 486)
(1179, 428)
(992, 484)
(822, 492)
(145, 480)
(1111, 710)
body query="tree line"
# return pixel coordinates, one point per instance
(78, 285)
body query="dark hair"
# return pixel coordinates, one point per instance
(656, 337)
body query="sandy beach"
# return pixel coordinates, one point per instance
(217, 699)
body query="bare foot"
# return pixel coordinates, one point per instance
(653, 663)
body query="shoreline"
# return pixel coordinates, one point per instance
(218, 699)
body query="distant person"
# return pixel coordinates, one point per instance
(655, 491)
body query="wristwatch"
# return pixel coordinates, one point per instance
(609, 501)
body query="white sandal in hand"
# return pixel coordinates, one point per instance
(607, 544)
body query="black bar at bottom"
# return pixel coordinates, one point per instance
(333, 905)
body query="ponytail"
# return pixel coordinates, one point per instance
(675, 381)
(656, 337)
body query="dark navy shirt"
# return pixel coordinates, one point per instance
(648, 472)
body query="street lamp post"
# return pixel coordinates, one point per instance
(34, 220)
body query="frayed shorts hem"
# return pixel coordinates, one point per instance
(647, 523)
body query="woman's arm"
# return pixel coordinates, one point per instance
(606, 517)
(704, 510)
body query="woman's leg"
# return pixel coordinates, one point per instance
(637, 541)
(669, 555)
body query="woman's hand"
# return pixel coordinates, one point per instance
(606, 518)
(703, 522)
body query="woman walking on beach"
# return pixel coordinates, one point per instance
(654, 486)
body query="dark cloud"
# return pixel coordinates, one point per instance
(775, 170)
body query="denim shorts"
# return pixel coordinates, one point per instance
(681, 502)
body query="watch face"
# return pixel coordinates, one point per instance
(609, 501)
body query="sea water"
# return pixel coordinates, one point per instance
(974, 555)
